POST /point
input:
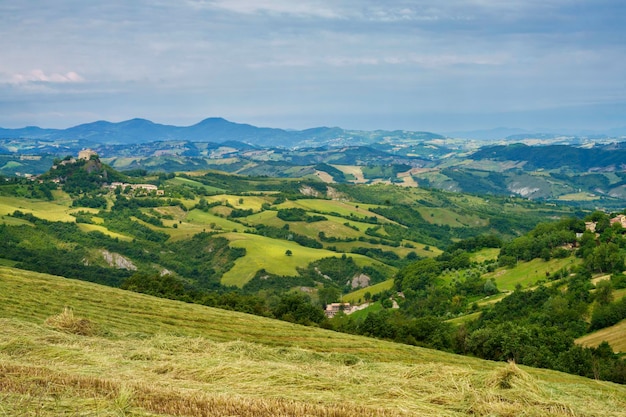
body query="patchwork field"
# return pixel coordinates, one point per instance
(192, 183)
(245, 203)
(117, 353)
(343, 208)
(528, 273)
(442, 216)
(354, 171)
(58, 210)
(579, 197)
(271, 255)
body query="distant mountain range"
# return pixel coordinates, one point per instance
(219, 130)
(216, 130)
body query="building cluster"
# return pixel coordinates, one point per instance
(333, 308)
(620, 218)
(145, 187)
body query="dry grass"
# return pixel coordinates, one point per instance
(615, 335)
(66, 322)
(45, 387)
(156, 357)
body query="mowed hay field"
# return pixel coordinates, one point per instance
(615, 335)
(117, 353)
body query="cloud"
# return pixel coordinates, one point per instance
(39, 76)
(277, 7)
(226, 57)
(434, 61)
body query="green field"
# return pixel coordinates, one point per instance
(58, 210)
(527, 274)
(355, 296)
(457, 321)
(267, 217)
(619, 294)
(118, 353)
(579, 197)
(270, 254)
(7, 262)
(192, 183)
(201, 218)
(343, 208)
(486, 254)
(362, 314)
(13, 221)
(443, 216)
(241, 202)
(333, 227)
(96, 228)
(400, 250)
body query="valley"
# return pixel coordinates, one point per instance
(487, 276)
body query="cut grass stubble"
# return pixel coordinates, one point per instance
(214, 362)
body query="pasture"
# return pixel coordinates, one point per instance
(57, 210)
(193, 183)
(355, 296)
(527, 274)
(271, 254)
(342, 208)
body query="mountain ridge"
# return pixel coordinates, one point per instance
(211, 129)
(219, 129)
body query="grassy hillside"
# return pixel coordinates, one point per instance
(142, 356)
(615, 335)
(271, 254)
(528, 273)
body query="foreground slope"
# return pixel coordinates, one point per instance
(142, 356)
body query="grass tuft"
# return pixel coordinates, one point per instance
(68, 323)
(511, 377)
(123, 400)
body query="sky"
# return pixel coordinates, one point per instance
(359, 64)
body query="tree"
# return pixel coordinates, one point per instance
(328, 295)
(490, 287)
(604, 292)
(288, 252)
(606, 257)
(297, 308)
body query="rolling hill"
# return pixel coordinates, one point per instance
(70, 347)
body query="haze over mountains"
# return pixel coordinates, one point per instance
(213, 129)
(219, 130)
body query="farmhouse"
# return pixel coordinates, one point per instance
(621, 219)
(334, 308)
(145, 187)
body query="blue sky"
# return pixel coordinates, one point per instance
(418, 65)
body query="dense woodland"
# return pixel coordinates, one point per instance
(532, 325)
